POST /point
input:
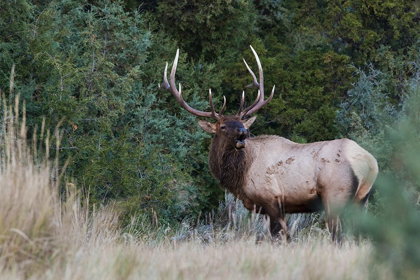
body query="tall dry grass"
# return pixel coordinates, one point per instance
(44, 236)
(26, 203)
(36, 226)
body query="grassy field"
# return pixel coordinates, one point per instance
(45, 237)
(193, 260)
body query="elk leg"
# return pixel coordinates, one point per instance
(276, 225)
(277, 220)
(333, 221)
(335, 227)
(333, 201)
(283, 224)
(364, 202)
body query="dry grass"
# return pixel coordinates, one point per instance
(191, 260)
(42, 237)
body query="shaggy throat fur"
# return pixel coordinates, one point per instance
(230, 166)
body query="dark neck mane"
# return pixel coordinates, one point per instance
(229, 166)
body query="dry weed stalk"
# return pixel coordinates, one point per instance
(37, 226)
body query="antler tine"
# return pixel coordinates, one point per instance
(213, 112)
(254, 78)
(252, 105)
(173, 72)
(165, 83)
(217, 116)
(242, 104)
(260, 73)
(224, 106)
(254, 84)
(171, 86)
(259, 102)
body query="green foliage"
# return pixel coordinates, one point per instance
(88, 72)
(395, 232)
(367, 104)
(395, 227)
(207, 28)
(16, 31)
(311, 92)
(309, 84)
(81, 53)
(358, 28)
(274, 17)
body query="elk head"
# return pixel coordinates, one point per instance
(231, 130)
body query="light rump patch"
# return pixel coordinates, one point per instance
(364, 167)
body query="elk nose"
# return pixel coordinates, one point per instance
(242, 130)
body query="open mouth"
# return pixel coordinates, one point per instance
(240, 142)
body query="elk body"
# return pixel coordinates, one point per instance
(273, 175)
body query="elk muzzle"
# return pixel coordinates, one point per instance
(243, 134)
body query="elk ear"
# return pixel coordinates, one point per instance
(249, 122)
(207, 126)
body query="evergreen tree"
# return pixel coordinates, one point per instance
(87, 71)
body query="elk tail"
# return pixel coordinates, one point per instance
(367, 172)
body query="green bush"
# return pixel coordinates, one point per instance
(394, 225)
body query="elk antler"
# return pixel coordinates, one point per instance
(178, 95)
(259, 101)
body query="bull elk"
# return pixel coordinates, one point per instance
(273, 175)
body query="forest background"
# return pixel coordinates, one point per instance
(92, 69)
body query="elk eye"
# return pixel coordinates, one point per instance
(223, 127)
